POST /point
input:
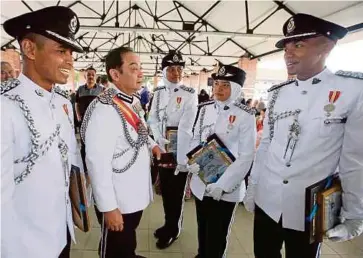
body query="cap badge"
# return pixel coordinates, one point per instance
(222, 71)
(73, 24)
(291, 26)
(175, 58)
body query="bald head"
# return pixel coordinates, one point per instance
(7, 71)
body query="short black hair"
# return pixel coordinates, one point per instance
(103, 79)
(248, 101)
(91, 69)
(114, 59)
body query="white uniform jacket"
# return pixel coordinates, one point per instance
(176, 107)
(35, 209)
(235, 125)
(117, 156)
(330, 136)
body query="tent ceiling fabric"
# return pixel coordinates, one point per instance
(223, 30)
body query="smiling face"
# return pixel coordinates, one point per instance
(307, 57)
(47, 61)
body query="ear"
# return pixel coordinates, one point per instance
(28, 48)
(115, 75)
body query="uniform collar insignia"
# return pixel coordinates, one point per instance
(39, 92)
(316, 81)
(125, 97)
(226, 108)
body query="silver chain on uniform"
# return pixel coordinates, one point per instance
(203, 127)
(163, 119)
(135, 145)
(36, 150)
(271, 106)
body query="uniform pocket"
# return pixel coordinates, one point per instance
(330, 126)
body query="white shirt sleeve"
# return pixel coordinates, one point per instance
(236, 172)
(351, 164)
(100, 140)
(185, 129)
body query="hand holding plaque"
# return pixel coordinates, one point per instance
(213, 159)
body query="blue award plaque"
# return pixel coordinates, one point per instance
(213, 158)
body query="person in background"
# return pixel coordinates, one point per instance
(259, 126)
(104, 82)
(38, 144)
(249, 103)
(203, 96)
(312, 126)
(7, 71)
(144, 97)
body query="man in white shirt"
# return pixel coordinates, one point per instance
(118, 155)
(38, 145)
(313, 124)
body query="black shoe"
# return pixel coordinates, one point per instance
(139, 256)
(164, 243)
(159, 232)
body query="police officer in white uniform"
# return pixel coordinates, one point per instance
(173, 104)
(234, 124)
(38, 145)
(313, 124)
(118, 155)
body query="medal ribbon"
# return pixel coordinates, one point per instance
(130, 116)
(178, 100)
(232, 119)
(334, 96)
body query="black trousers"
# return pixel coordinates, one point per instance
(214, 220)
(172, 191)
(67, 249)
(120, 244)
(269, 236)
(83, 155)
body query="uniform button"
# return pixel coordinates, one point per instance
(66, 184)
(285, 182)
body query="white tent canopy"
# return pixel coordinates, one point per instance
(202, 30)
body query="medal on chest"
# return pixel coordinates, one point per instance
(178, 101)
(333, 97)
(231, 120)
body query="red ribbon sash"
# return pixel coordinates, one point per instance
(130, 115)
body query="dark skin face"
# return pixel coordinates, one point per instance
(306, 58)
(128, 78)
(174, 74)
(46, 61)
(91, 78)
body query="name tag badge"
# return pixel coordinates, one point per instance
(342, 120)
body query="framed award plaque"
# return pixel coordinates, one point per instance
(322, 207)
(172, 137)
(213, 158)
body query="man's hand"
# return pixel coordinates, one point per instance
(114, 220)
(157, 152)
(348, 230)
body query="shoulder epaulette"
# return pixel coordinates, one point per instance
(106, 97)
(206, 103)
(61, 92)
(188, 89)
(9, 85)
(159, 88)
(245, 108)
(277, 86)
(347, 74)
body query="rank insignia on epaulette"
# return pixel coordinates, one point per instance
(188, 89)
(9, 85)
(245, 108)
(277, 86)
(347, 74)
(159, 88)
(206, 103)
